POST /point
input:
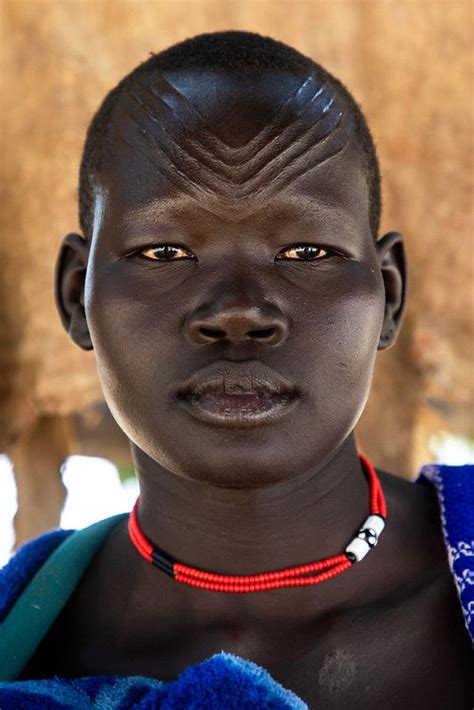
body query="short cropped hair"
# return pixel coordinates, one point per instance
(230, 50)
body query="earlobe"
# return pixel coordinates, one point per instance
(392, 263)
(69, 281)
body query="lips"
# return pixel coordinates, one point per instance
(238, 395)
(236, 378)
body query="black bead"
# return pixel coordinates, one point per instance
(162, 561)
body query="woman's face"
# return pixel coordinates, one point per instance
(232, 178)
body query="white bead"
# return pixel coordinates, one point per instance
(375, 522)
(359, 548)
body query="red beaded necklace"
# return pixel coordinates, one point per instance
(366, 538)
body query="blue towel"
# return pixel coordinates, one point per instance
(224, 680)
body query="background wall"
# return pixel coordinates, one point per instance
(407, 62)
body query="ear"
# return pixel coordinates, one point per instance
(391, 257)
(70, 274)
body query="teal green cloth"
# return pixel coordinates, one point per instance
(46, 594)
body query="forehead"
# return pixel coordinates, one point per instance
(233, 143)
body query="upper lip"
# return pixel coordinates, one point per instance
(226, 377)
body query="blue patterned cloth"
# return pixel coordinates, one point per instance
(455, 488)
(224, 680)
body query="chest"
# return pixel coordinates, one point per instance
(408, 652)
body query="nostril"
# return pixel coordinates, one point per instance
(261, 333)
(236, 329)
(210, 333)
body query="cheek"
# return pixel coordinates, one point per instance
(346, 307)
(131, 334)
(359, 321)
(357, 338)
(126, 304)
(343, 335)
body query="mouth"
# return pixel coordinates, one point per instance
(238, 395)
(238, 410)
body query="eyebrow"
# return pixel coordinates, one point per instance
(162, 208)
(169, 209)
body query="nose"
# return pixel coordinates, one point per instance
(243, 324)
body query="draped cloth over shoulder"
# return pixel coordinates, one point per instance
(46, 594)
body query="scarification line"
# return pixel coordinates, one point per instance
(303, 144)
(284, 135)
(304, 169)
(169, 174)
(230, 208)
(246, 171)
(182, 98)
(212, 182)
(222, 150)
(209, 180)
(215, 168)
(236, 210)
(274, 185)
(218, 165)
(283, 141)
(298, 165)
(196, 155)
(287, 158)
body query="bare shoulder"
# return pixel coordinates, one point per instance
(414, 535)
(417, 538)
(414, 509)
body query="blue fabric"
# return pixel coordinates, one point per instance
(455, 488)
(223, 680)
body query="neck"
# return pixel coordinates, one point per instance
(245, 531)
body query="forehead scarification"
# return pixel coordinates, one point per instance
(175, 106)
(308, 128)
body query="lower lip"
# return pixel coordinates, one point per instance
(238, 410)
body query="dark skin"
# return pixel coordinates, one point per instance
(240, 501)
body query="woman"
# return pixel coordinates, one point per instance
(232, 285)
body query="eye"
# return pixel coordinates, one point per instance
(308, 252)
(163, 252)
